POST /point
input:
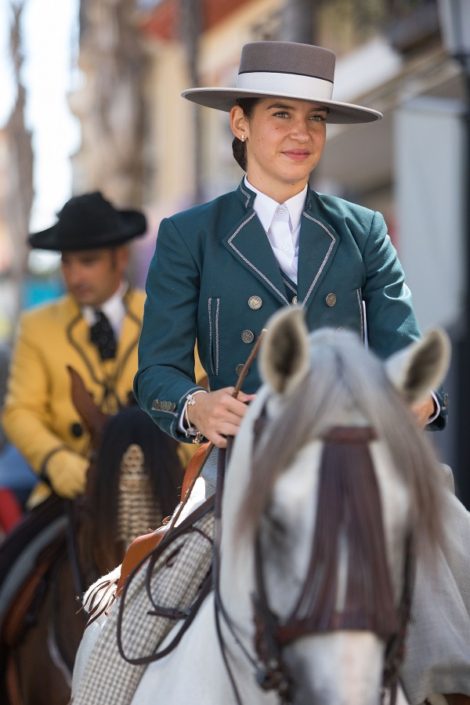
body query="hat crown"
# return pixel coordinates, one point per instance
(90, 212)
(288, 57)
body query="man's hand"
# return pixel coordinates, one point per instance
(67, 472)
(218, 415)
(423, 411)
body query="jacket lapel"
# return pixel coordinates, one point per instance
(78, 334)
(248, 243)
(317, 245)
(130, 330)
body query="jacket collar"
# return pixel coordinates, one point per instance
(317, 246)
(78, 335)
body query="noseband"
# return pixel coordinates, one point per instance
(349, 505)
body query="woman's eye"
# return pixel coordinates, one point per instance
(281, 114)
(318, 118)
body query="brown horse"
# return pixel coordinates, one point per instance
(133, 482)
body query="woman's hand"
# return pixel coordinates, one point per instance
(423, 411)
(218, 414)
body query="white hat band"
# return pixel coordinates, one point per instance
(286, 83)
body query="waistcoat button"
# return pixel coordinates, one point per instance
(255, 302)
(330, 299)
(248, 336)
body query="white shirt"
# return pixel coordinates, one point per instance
(287, 252)
(113, 308)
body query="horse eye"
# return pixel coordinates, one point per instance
(275, 524)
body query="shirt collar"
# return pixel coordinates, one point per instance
(265, 207)
(113, 308)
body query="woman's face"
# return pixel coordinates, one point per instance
(284, 140)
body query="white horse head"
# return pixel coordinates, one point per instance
(312, 384)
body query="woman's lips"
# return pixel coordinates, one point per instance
(297, 154)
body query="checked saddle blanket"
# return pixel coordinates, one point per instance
(166, 585)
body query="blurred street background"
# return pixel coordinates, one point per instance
(91, 100)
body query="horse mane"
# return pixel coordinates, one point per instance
(130, 426)
(343, 375)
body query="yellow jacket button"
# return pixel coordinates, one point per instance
(76, 429)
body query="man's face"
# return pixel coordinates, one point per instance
(93, 276)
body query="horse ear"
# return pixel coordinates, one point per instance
(89, 412)
(421, 366)
(285, 356)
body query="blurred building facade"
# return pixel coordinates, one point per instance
(390, 57)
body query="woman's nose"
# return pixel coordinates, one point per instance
(300, 130)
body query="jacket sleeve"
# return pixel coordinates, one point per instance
(166, 349)
(26, 411)
(391, 320)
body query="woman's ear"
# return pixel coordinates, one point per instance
(238, 122)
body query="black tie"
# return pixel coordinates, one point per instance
(102, 335)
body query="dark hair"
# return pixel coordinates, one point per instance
(239, 147)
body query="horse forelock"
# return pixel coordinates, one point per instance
(345, 384)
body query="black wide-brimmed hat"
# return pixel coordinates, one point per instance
(285, 70)
(89, 222)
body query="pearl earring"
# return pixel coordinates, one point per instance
(243, 138)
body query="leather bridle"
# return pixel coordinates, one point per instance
(272, 635)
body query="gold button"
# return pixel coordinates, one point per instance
(248, 336)
(255, 302)
(294, 300)
(330, 299)
(239, 368)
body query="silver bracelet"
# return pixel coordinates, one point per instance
(197, 436)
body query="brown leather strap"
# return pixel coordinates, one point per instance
(141, 547)
(12, 630)
(196, 463)
(13, 682)
(350, 434)
(194, 467)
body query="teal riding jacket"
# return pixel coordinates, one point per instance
(214, 280)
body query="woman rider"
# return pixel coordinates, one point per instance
(222, 268)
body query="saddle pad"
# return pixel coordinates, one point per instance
(175, 582)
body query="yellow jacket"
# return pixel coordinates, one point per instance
(39, 417)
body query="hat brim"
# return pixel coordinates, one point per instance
(133, 224)
(225, 99)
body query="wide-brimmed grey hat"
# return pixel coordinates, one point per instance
(284, 70)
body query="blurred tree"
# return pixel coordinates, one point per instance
(298, 21)
(20, 154)
(191, 25)
(110, 105)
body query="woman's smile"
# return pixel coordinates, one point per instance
(297, 155)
